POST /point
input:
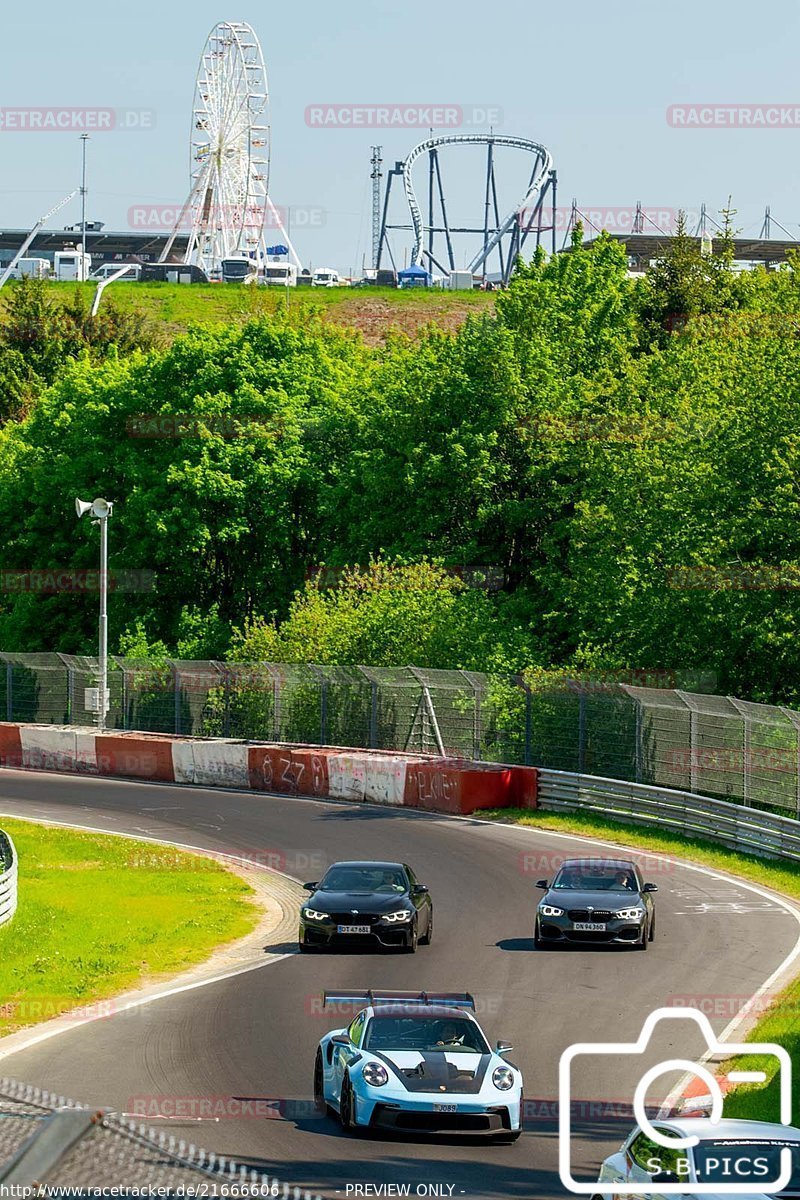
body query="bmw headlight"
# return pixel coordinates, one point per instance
(503, 1078)
(402, 914)
(375, 1075)
(311, 914)
(549, 910)
(629, 914)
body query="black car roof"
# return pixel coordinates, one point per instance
(383, 866)
(598, 862)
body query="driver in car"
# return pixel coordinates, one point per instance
(449, 1035)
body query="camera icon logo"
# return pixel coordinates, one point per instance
(613, 1051)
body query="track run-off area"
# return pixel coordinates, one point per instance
(229, 1065)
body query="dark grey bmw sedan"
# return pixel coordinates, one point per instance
(596, 900)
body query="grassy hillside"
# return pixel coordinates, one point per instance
(374, 312)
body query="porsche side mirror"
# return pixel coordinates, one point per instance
(504, 1047)
(340, 1039)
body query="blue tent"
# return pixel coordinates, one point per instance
(414, 276)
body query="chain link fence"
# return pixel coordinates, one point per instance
(717, 745)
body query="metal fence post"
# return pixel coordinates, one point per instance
(323, 713)
(639, 747)
(9, 692)
(693, 772)
(124, 696)
(373, 716)
(581, 732)
(70, 693)
(528, 722)
(176, 697)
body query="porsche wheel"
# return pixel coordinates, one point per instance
(320, 1103)
(347, 1107)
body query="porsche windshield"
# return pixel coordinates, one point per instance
(427, 1034)
(364, 879)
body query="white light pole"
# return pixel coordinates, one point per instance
(84, 140)
(101, 510)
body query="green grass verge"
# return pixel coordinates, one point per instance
(372, 311)
(98, 915)
(781, 1022)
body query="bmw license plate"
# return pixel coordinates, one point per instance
(445, 1108)
(353, 929)
(590, 927)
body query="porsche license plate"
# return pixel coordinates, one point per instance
(590, 927)
(445, 1108)
(353, 929)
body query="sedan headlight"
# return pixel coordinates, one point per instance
(311, 914)
(629, 914)
(549, 910)
(402, 914)
(375, 1075)
(503, 1078)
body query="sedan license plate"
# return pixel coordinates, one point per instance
(445, 1108)
(590, 927)
(353, 929)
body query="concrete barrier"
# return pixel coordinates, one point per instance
(390, 778)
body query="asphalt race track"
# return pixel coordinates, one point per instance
(254, 1035)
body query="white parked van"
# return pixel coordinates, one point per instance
(71, 265)
(325, 277)
(31, 268)
(133, 272)
(280, 275)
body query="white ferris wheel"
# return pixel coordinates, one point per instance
(229, 211)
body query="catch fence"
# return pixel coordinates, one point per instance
(716, 745)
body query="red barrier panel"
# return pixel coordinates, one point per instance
(10, 745)
(135, 755)
(311, 770)
(448, 787)
(270, 769)
(524, 790)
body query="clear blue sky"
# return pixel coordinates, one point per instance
(591, 80)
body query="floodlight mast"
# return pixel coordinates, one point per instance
(101, 510)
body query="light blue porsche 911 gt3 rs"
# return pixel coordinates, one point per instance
(417, 1062)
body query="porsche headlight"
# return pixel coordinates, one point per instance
(375, 1075)
(629, 914)
(549, 910)
(402, 914)
(311, 914)
(503, 1078)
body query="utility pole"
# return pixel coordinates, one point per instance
(376, 177)
(84, 140)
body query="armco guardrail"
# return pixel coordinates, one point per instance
(732, 825)
(8, 878)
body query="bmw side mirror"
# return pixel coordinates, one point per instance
(650, 887)
(420, 890)
(543, 884)
(310, 887)
(504, 1047)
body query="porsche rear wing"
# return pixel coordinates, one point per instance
(402, 999)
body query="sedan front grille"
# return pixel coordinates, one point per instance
(583, 914)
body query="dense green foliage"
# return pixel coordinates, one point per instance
(602, 475)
